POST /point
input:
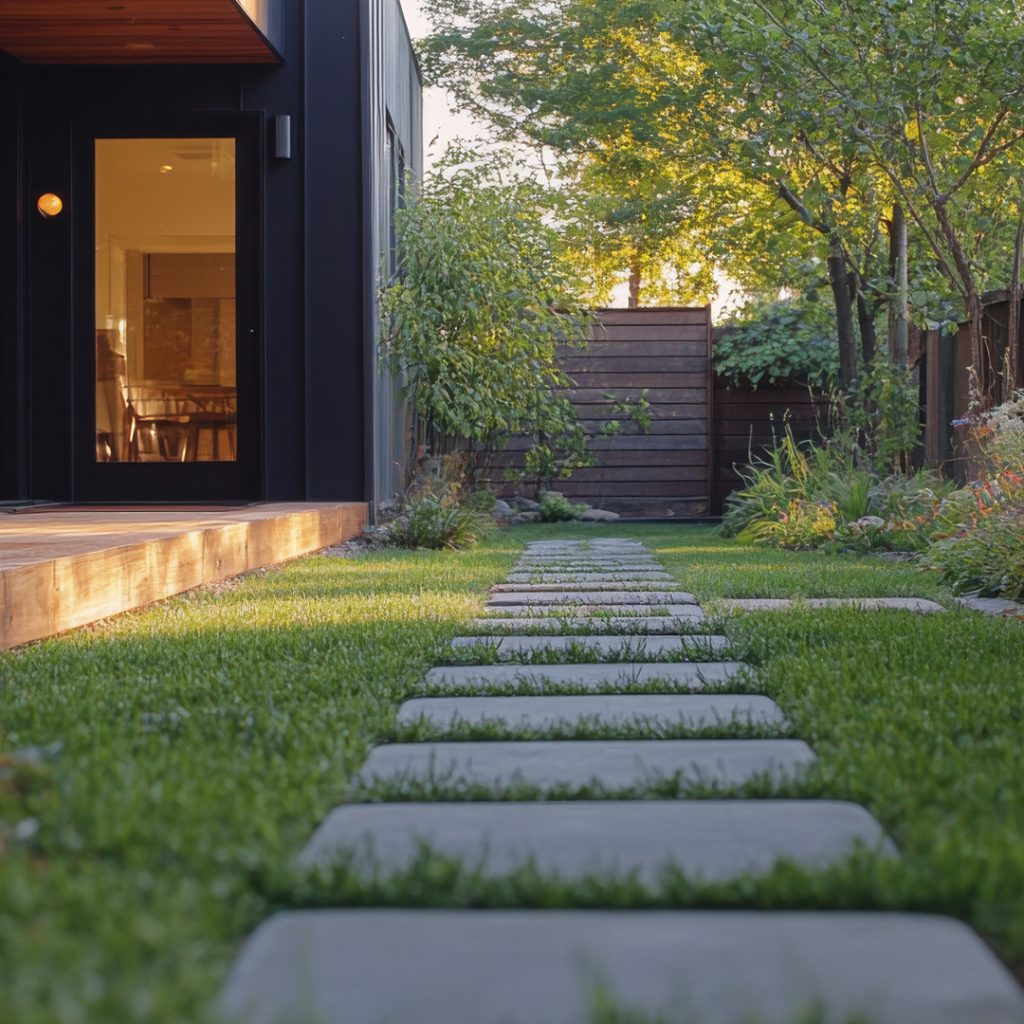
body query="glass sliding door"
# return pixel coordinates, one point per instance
(166, 302)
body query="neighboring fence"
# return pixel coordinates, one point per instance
(945, 360)
(748, 421)
(663, 355)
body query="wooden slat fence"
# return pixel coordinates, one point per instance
(665, 471)
(748, 421)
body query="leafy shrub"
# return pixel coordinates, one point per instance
(987, 559)
(802, 525)
(472, 322)
(983, 551)
(431, 521)
(791, 340)
(556, 508)
(828, 494)
(482, 501)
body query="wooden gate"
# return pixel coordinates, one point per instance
(658, 464)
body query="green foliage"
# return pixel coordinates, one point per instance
(885, 406)
(987, 559)
(558, 441)
(482, 501)
(774, 342)
(471, 324)
(984, 549)
(556, 508)
(830, 495)
(434, 522)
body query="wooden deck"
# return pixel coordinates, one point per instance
(59, 570)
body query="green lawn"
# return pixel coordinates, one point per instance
(157, 773)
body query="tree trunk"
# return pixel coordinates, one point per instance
(634, 286)
(980, 383)
(899, 310)
(866, 323)
(1013, 367)
(839, 278)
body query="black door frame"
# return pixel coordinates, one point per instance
(190, 481)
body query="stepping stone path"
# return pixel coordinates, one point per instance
(366, 966)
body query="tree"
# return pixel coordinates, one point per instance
(575, 74)
(472, 323)
(931, 94)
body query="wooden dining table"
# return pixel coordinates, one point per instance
(178, 413)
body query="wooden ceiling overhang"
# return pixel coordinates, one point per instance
(141, 31)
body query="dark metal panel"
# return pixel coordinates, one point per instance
(393, 105)
(281, 90)
(13, 454)
(335, 284)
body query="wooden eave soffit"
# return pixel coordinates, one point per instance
(141, 31)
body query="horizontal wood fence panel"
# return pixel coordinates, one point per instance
(748, 422)
(672, 333)
(661, 414)
(696, 316)
(627, 474)
(661, 466)
(627, 365)
(633, 458)
(652, 442)
(628, 383)
(656, 396)
(593, 494)
(659, 350)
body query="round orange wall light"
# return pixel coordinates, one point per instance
(50, 205)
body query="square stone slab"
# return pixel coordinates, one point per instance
(627, 578)
(690, 710)
(636, 625)
(546, 967)
(627, 675)
(867, 604)
(605, 586)
(639, 648)
(613, 764)
(562, 562)
(544, 594)
(603, 612)
(713, 840)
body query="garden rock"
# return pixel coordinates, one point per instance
(502, 510)
(525, 517)
(525, 504)
(598, 515)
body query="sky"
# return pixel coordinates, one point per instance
(440, 119)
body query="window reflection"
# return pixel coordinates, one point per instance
(165, 300)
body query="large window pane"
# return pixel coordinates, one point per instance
(165, 300)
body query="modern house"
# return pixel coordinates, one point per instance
(196, 205)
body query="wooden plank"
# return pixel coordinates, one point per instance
(133, 32)
(637, 457)
(631, 364)
(639, 378)
(629, 317)
(633, 334)
(656, 396)
(660, 489)
(79, 569)
(637, 349)
(634, 474)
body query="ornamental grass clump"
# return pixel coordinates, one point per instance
(432, 521)
(829, 494)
